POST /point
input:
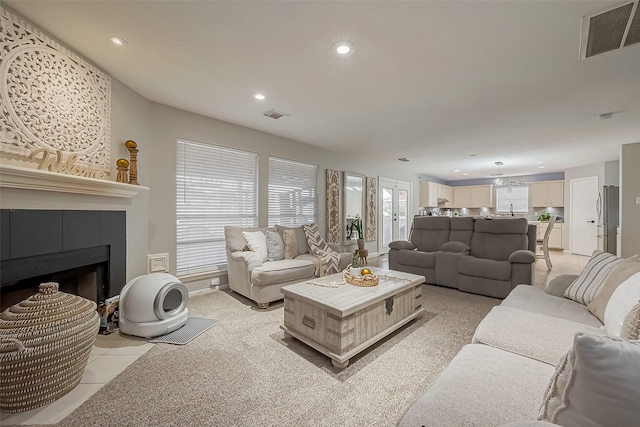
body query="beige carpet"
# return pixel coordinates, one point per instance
(244, 372)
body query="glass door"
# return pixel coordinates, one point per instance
(395, 223)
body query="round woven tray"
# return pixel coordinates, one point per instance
(364, 281)
(45, 343)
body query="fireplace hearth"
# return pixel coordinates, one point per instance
(84, 251)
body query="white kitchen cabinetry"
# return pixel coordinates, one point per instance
(476, 196)
(547, 193)
(555, 238)
(430, 192)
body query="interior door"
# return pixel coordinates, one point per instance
(584, 215)
(395, 219)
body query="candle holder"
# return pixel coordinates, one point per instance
(133, 156)
(123, 170)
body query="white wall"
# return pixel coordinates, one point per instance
(629, 190)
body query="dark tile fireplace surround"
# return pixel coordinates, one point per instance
(70, 247)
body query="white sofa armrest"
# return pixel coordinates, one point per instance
(251, 259)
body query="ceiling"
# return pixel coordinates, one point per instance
(431, 81)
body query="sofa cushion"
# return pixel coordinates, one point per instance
(497, 239)
(596, 384)
(538, 336)
(429, 233)
(301, 238)
(285, 270)
(234, 239)
(487, 268)
(482, 386)
(417, 258)
(275, 246)
(619, 274)
(290, 244)
(631, 325)
(622, 301)
(588, 283)
(530, 298)
(461, 230)
(257, 242)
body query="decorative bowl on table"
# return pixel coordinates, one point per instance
(363, 280)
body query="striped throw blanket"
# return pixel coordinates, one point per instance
(329, 259)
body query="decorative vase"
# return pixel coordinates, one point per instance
(360, 244)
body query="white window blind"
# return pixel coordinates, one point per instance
(518, 196)
(216, 186)
(293, 193)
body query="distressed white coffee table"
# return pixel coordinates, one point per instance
(341, 322)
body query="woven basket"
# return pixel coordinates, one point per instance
(364, 281)
(45, 343)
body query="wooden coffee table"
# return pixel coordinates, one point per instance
(341, 322)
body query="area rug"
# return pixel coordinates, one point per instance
(245, 372)
(193, 327)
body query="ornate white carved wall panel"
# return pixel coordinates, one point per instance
(334, 189)
(371, 232)
(50, 98)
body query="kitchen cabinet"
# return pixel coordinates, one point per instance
(431, 192)
(547, 193)
(555, 238)
(476, 196)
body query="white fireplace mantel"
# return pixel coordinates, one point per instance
(34, 179)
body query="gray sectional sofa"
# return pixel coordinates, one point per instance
(501, 377)
(483, 256)
(261, 281)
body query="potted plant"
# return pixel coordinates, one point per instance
(355, 230)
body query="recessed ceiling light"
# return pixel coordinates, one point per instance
(465, 174)
(539, 162)
(258, 95)
(457, 170)
(542, 167)
(403, 159)
(605, 116)
(472, 155)
(118, 40)
(343, 47)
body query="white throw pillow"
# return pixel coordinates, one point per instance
(275, 246)
(620, 304)
(257, 242)
(588, 284)
(597, 384)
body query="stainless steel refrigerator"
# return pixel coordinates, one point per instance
(608, 208)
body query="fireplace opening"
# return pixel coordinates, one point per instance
(82, 281)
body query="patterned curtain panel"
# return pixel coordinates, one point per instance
(334, 188)
(371, 231)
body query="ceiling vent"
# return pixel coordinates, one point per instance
(611, 30)
(275, 114)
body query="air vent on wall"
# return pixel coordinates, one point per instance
(611, 30)
(275, 114)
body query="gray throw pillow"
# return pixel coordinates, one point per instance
(596, 384)
(275, 246)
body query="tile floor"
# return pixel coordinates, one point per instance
(111, 354)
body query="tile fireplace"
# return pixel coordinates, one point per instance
(84, 251)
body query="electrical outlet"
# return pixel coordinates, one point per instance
(215, 282)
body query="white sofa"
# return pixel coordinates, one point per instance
(261, 281)
(501, 377)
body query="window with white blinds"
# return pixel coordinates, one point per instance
(216, 186)
(293, 192)
(518, 196)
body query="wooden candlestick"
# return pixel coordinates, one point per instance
(133, 156)
(123, 170)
